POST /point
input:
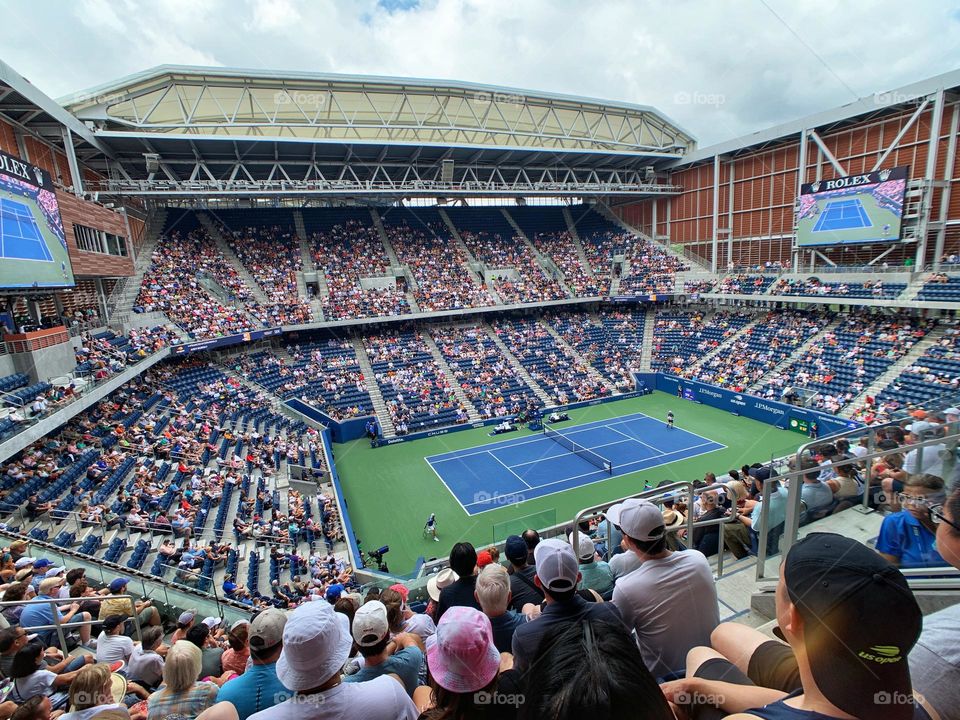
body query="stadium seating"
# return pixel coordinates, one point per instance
(875, 289)
(940, 287)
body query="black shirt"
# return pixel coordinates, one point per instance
(523, 589)
(460, 593)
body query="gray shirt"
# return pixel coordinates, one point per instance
(935, 661)
(672, 605)
(623, 564)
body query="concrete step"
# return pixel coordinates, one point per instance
(471, 260)
(573, 352)
(521, 371)
(387, 427)
(454, 384)
(647, 354)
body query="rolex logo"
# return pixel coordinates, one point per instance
(39, 174)
(815, 187)
(884, 175)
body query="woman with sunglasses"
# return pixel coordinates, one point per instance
(908, 538)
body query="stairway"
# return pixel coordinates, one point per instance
(797, 353)
(384, 240)
(232, 258)
(616, 219)
(302, 237)
(519, 368)
(124, 294)
(376, 397)
(726, 344)
(894, 370)
(646, 356)
(572, 351)
(471, 260)
(913, 288)
(454, 384)
(547, 266)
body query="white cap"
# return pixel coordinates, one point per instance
(212, 622)
(920, 427)
(557, 565)
(23, 562)
(951, 411)
(370, 623)
(585, 547)
(638, 518)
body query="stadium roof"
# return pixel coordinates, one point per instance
(229, 131)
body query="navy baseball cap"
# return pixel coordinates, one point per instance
(860, 621)
(515, 548)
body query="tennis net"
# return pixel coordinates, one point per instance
(577, 449)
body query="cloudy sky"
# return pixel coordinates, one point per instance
(719, 69)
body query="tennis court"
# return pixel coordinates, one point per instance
(843, 215)
(512, 471)
(20, 238)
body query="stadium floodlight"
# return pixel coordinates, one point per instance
(153, 162)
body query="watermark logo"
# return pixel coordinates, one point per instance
(686, 697)
(500, 98)
(895, 698)
(886, 99)
(303, 99)
(699, 98)
(496, 698)
(485, 498)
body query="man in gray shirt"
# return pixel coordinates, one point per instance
(671, 599)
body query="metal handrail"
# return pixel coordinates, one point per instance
(59, 626)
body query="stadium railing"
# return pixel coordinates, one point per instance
(60, 626)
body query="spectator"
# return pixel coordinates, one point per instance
(143, 609)
(43, 613)
(595, 574)
(493, 594)
(908, 538)
(36, 708)
(235, 657)
(12, 641)
(927, 460)
(592, 669)
(828, 585)
(32, 677)
(463, 561)
(532, 538)
(523, 589)
(146, 664)
(184, 622)
(401, 656)
(181, 692)
(557, 575)
(671, 599)
(402, 618)
(464, 667)
(211, 667)
(112, 645)
(316, 644)
(96, 692)
(259, 687)
(436, 585)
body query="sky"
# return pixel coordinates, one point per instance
(719, 69)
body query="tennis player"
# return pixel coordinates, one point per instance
(670, 418)
(430, 528)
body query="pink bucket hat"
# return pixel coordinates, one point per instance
(464, 658)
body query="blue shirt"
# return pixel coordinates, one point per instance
(905, 537)
(776, 515)
(40, 614)
(405, 663)
(257, 689)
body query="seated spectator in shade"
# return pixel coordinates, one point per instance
(145, 666)
(463, 561)
(493, 594)
(259, 687)
(12, 641)
(401, 618)
(595, 574)
(97, 693)
(401, 655)
(592, 670)
(31, 676)
(235, 657)
(834, 665)
(211, 666)
(181, 692)
(126, 607)
(13, 593)
(435, 586)
(112, 645)
(43, 613)
(522, 586)
(908, 538)
(465, 667)
(184, 622)
(316, 644)
(671, 599)
(558, 576)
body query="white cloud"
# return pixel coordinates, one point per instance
(719, 69)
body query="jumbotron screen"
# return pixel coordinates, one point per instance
(852, 210)
(33, 247)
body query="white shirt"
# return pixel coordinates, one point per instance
(111, 648)
(672, 605)
(381, 699)
(932, 462)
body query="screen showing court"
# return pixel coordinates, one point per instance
(854, 209)
(33, 247)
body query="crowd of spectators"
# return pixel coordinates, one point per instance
(439, 268)
(744, 284)
(171, 285)
(347, 253)
(272, 257)
(560, 248)
(650, 269)
(527, 283)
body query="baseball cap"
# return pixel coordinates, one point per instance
(334, 592)
(835, 583)
(761, 473)
(316, 644)
(952, 411)
(464, 658)
(186, 617)
(585, 547)
(370, 623)
(484, 558)
(112, 622)
(266, 630)
(50, 584)
(557, 565)
(212, 622)
(41, 564)
(515, 548)
(24, 562)
(118, 584)
(53, 572)
(638, 518)
(23, 573)
(919, 427)
(402, 589)
(442, 579)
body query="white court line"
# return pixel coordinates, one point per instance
(569, 452)
(641, 442)
(509, 469)
(440, 478)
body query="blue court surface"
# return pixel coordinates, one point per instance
(842, 215)
(492, 476)
(20, 238)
